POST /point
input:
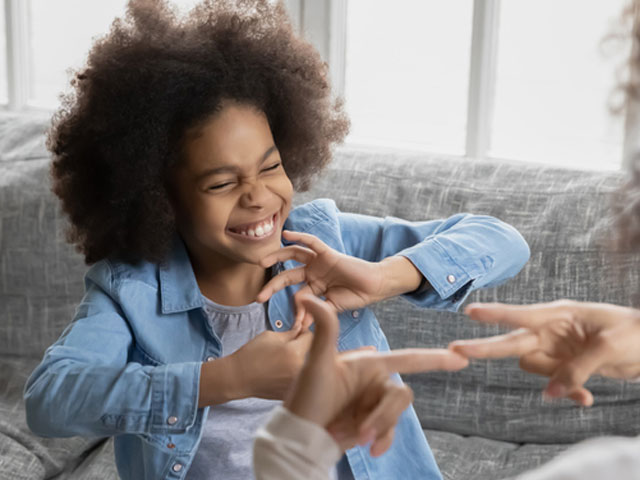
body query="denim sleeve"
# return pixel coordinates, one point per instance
(456, 255)
(85, 384)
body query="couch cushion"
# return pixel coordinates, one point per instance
(483, 459)
(40, 274)
(563, 215)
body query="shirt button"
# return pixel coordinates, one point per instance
(278, 323)
(355, 314)
(177, 467)
(172, 420)
(210, 358)
(451, 278)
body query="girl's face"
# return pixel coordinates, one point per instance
(231, 192)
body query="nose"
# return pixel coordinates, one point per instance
(254, 195)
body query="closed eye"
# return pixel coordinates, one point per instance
(218, 187)
(272, 167)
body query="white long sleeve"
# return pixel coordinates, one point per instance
(597, 459)
(291, 448)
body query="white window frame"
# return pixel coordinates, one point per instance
(324, 23)
(16, 13)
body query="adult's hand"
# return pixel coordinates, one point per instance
(344, 281)
(565, 340)
(352, 394)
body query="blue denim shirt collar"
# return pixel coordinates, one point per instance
(179, 289)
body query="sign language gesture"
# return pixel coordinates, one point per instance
(564, 340)
(346, 282)
(352, 394)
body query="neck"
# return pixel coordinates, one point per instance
(233, 285)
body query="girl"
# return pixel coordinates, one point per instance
(175, 159)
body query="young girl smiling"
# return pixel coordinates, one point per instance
(176, 159)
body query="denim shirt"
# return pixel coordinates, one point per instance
(128, 365)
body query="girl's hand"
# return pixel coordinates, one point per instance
(565, 340)
(352, 394)
(346, 282)
(266, 365)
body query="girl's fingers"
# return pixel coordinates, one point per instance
(528, 316)
(513, 344)
(301, 313)
(311, 241)
(280, 281)
(292, 252)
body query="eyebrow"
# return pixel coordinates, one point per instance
(233, 168)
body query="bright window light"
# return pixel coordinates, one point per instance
(407, 72)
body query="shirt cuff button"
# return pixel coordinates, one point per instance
(451, 278)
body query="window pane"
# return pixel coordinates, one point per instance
(554, 82)
(61, 34)
(4, 95)
(407, 69)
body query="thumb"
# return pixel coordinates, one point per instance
(327, 328)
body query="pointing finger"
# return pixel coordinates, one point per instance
(416, 360)
(528, 316)
(513, 344)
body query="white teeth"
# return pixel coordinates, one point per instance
(260, 230)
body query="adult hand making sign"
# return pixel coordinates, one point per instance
(565, 340)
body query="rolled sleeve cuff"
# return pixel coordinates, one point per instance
(174, 401)
(450, 280)
(303, 441)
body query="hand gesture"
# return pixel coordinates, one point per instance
(346, 282)
(565, 340)
(352, 394)
(266, 365)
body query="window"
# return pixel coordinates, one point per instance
(406, 72)
(48, 38)
(553, 84)
(515, 79)
(3, 60)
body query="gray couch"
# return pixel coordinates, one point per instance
(486, 422)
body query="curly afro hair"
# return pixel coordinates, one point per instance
(154, 77)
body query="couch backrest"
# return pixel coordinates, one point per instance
(40, 274)
(563, 216)
(559, 212)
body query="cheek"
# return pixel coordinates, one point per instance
(285, 189)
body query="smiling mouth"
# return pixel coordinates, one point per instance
(256, 231)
